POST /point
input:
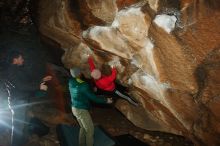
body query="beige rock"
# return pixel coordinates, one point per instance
(174, 76)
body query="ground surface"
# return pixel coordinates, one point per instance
(109, 118)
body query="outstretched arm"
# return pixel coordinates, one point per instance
(25, 86)
(89, 94)
(91, 63)
(112, 77)
(94, 98)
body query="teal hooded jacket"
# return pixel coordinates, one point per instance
(82, 95)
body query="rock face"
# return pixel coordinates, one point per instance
(167, 52)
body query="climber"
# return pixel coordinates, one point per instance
(105, 82)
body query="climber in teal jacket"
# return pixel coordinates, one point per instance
(81, 96)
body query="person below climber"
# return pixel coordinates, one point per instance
(21, 89)
(105, 82)
(81, 97)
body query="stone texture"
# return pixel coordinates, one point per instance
(104, 10)
(58, 23)
(174, 76)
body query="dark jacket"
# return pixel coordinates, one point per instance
(22, 86)
(81, 95)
